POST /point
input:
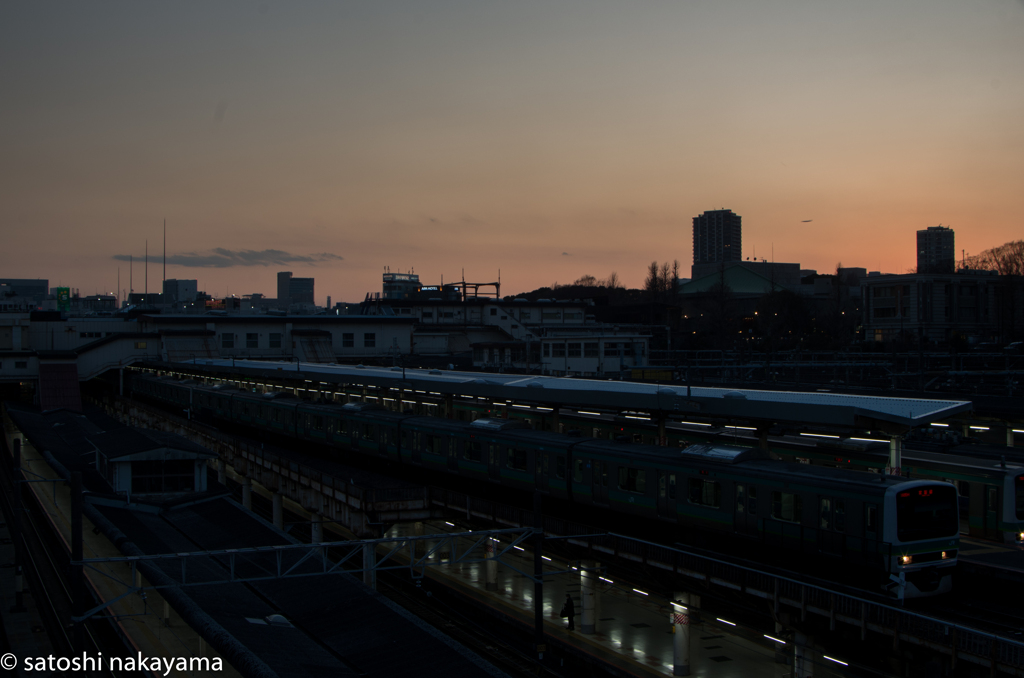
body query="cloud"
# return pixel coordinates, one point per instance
(566, 254)
(224, 258)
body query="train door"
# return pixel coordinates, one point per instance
(992, 512)
(453, 451)
(667, 495)
(831, 522)
(745, 512)
(599, 474)
(493, 458)
(540, 469)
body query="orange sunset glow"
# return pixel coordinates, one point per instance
(544, 140)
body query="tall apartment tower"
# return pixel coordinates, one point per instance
(717, 237)
(936, 251)
(284, 288)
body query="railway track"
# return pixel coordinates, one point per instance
(45, 565)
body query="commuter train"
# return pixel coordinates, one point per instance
(989, 479)
(888, 525)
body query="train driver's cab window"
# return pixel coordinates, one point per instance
(826, 514)
(871, 521)
(632, 480)
(786, 506)
(517, 459)
(705, 492)
(560, 466)
(577, 471)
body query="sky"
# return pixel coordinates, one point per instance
(542, 140)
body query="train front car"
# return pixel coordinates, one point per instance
(922, 529)
(1015, 522)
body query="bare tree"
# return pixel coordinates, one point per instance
(586, 281)
(613, 281)
(653, 282)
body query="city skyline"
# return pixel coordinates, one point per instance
(544, 142)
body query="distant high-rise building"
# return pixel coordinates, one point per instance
(300, 291)
(717, 237)
(936, 251)
(284, 279)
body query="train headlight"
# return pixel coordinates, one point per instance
(1020, 537)
(945, 555)
(906, 560)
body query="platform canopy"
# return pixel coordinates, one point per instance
(674, 401)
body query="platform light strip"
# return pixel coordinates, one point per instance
(519, 548)
(939, 425)
(819, 435)
(834, 660)
(1018, 430)
(545, 409)
(694, 423)
(642, 593)
(595, 414)
(546, 558)
(743, 428)
(525, 407)
(781, 642)
(449, 524)
(607, 580)
(725, 622)
(870, 440)
(979, 428)
(629, 416)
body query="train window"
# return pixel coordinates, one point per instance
(451, 448)
(787, 506)
(474, 451)
(517, 459)
(433, 444)
(926, 513)
(705, 492)
(672, 486)
(632, 480)
(560, 466)
(604, 474)
(752, 501)
(367, 431)
(577, 471)
(826, 513)
(318, 423)
(993, 499)
(839, 515)
(741, 500)
(544, 466)
(1018, 485)
(870, 520)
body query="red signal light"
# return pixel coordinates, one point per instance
(904, 494)
(924, 493)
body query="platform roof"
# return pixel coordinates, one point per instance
(792, 407)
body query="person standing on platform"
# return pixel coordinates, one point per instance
(569, 611)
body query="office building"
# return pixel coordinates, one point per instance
(936, 251)
(300, 291)
(717, 237)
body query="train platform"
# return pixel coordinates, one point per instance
(633, 631)
(978, 555)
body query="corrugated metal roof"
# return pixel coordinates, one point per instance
(751, 404)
